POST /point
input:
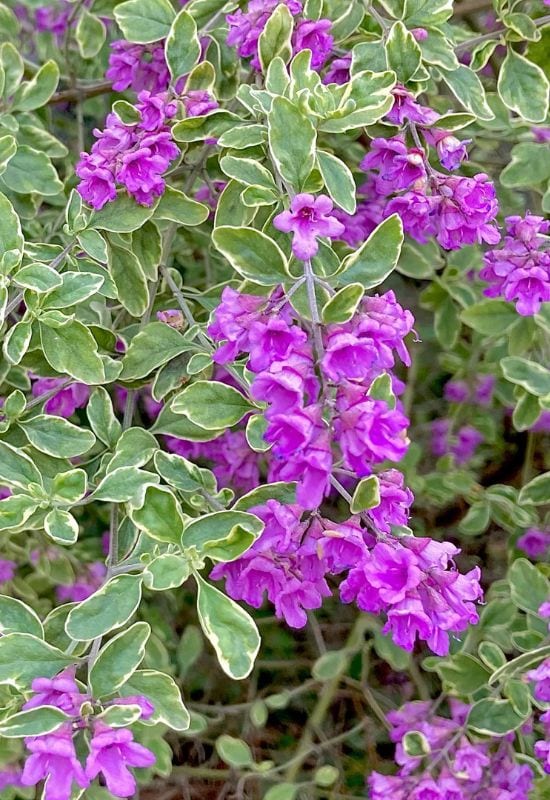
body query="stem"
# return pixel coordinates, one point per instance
(486, 37)
(530, 451)
(313, 310)
(80, 93)
(324, 702)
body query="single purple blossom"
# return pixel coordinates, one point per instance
(308, 218)
(112, 751)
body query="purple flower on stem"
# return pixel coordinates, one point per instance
(314, 35)
(7, 569)
(416, 211)
(60, 691)
(138, 66)
(395, 501)
(519, 271)
(406, 108)
(456, 391)
(339, 70)
(308, 218)
(53, 759)
(468, 440)
(465, 212)
(541, 677)
(398, 166)
(112, 751)
(450, 150)
(198, 102)
(245, 27)
(534, 543)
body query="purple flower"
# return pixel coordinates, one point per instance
(467, 442)
(53, 18)
(416, 210)
(534, 543)
(347, 355)
(112, 751)
(85, 585)
(314, 35)
(147, 708)
(368, 430)
(10, 775)
(406, 108)
(450, 150)
(7, 569)
(232, 321)
(311, 467)
(245, 27)
(519, 270)
(198, 102)
(154, 110)
(541, 676)
(308, 218)
(339, 70)
(440, 429)
(398, 166)
(60, 691)
(138, 66)
(53, 758)
(97, 186)
(484, 389)
(273, 340)
(172, 317)
(541, 134)
(65, 402)
(395, 501)
(456, 391)
(465, 212)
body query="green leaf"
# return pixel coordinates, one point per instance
(532, 376)
(33, 722)
(211, 404)
(386, 649)
(254, 196)
(160, 516)
(275, 39)
(190, 648)
(282, 791)
(118, 660)
(464, 673)
(529, 165)
(490, 317)
(252, 254)
(243, 136)
(36, 92)
(491, 655)
(24, 657)
(371, 94)
(135, 448)
(493, 717)
(89, 34)
(155, 345)
(177, 207)
(72, 349)
(229, 628)
(107, 609)
(343, 305)
(537, 491)
(102, 418)
(476, 520)
(222, 535)
(167, 571)
(404, 54)
(8, 147)
(171, 424)
(69, 487)
(37, 277)
(520, 664)
(181, 473)
(182, 47)
(93, 243)
(523, 87)
(338, 180)
(291, 141)
(125, 484)
(120, 715)
(326, 776)
(165, 696)
(16, 510)
(366, 495)
(29, 171)
(234, 751)
(16, 617)
(415, 744)
(130, 281)
(75, 288)
(376, 258)
(249, 171)
(526, 412)
(144, 21)
(16, 468)
(283, 492)
(468, 90)
(529, 588)
(56, 436)
(330, 665)
(61, 526)
(17, 341)
(519, 695)
(197, 129)
(427, 12)
(123, 215)
(11, 238)
(437, 49)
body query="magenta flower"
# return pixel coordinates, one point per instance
(416, 210)
(198, 102)
(232, 321)
(395, 501)
(172, 317)
(7, 569)
(468, 440)
(60, 691)
(398, 166)
(534, 543)
(339, 70)
(97, 185)
(138, 66)
(406, 108)
(308, 218)
(541, 677)
(519, 271)
(456, 391)
(465, 212)
(245, 27)
(112, 751)
(154, 110)
(314, 35)
(53, 759)
(85, 585)
(347, 355)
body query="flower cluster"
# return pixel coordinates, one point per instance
(462, 446)
(455, 768)
(135, 156)
(541, 677)
(138, 67)
(519, 270)
(412, 581)
(282, 358)
(54, 757)
(535, 543)
(245, 28)
(456, 210)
